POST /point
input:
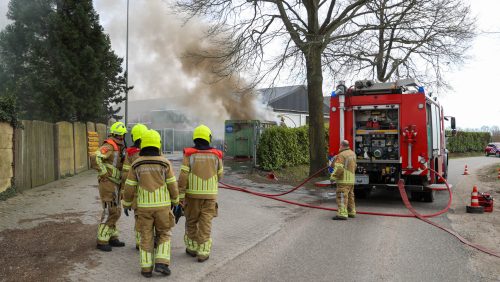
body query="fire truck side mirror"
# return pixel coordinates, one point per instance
(453, 125)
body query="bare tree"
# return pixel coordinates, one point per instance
(388, 38)
(413, 38)
(301, 30)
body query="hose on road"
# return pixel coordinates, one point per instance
(404, 197)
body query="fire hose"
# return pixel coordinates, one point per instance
(404, 197)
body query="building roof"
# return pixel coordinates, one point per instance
(290, 99)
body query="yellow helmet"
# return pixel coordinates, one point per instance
(137, 131)
(118, 128)
(203, 132)
(151, 138)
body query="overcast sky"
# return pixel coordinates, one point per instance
(475, 99)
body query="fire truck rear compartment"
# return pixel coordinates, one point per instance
(377, 146)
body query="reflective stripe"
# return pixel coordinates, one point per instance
(175, 201)
(163, 251)
(347, 177)
(182, 196)
(220, 171)
(126, 167)
(137, 238)
(114, 232)
(204, 249)
(171, 180)
(100, 164)
(126, 204)
(197, 185)
(190, 244)
(103, 233)
(158, 198)
(131, 182)
(146, 259)
(185, 168)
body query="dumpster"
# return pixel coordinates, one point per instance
(241, 137)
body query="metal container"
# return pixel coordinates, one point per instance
(241, 137)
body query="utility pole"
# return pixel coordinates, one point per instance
(126, 71)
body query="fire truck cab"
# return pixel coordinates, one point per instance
(396, 131)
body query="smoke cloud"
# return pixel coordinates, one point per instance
(160, 65)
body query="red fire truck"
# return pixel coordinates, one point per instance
(396, 131)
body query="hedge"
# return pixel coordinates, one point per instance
(285, 147)
(8, 110)
(465, 142)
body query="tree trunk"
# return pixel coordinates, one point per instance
(317, 153)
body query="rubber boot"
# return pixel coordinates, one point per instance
(338, 217)
(137, 247)
(191, 253)
(116, 243)
(162, 268)
(202, 259)
(352, 215)
(148, 274)
(104, 248)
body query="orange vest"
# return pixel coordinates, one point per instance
(189, 151)
(112, 143)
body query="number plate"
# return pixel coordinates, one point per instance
(362, 179)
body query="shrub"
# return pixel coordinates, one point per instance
(465, 142)
(8, 110)
(281, 147)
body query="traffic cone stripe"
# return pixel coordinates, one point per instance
(466, 172)
(474, 202)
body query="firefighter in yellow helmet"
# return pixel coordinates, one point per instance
(109, 165)
(201, 170)
(131, 155)
(152, 179)
(343, 174)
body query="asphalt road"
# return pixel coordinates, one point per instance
(254, 239)
(368, 248)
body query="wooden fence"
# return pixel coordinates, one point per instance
(44, 152)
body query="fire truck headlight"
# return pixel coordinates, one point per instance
(334, 109)
(420, 106)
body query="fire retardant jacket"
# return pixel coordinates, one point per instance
(130, 157)
(200, 173)
(154, 182)
(109, 160)
(344, 167)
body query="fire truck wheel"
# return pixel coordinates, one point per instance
(429, 196)
(362, 193)
(416, 196)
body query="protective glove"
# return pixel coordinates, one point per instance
(178, 212)
(333, 179)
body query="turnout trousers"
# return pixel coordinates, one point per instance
(162, 220)
(345, 200)
(109, 193)
(199, 214)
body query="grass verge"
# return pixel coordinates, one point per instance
(465, 155)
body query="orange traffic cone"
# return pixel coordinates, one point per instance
(474, 203)
(466, 172)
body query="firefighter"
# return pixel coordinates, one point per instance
(344, 173)
(152, 179)
(132, 154)
(109, 164)
(201, 170)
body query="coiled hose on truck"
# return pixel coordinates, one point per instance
(404, 197)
